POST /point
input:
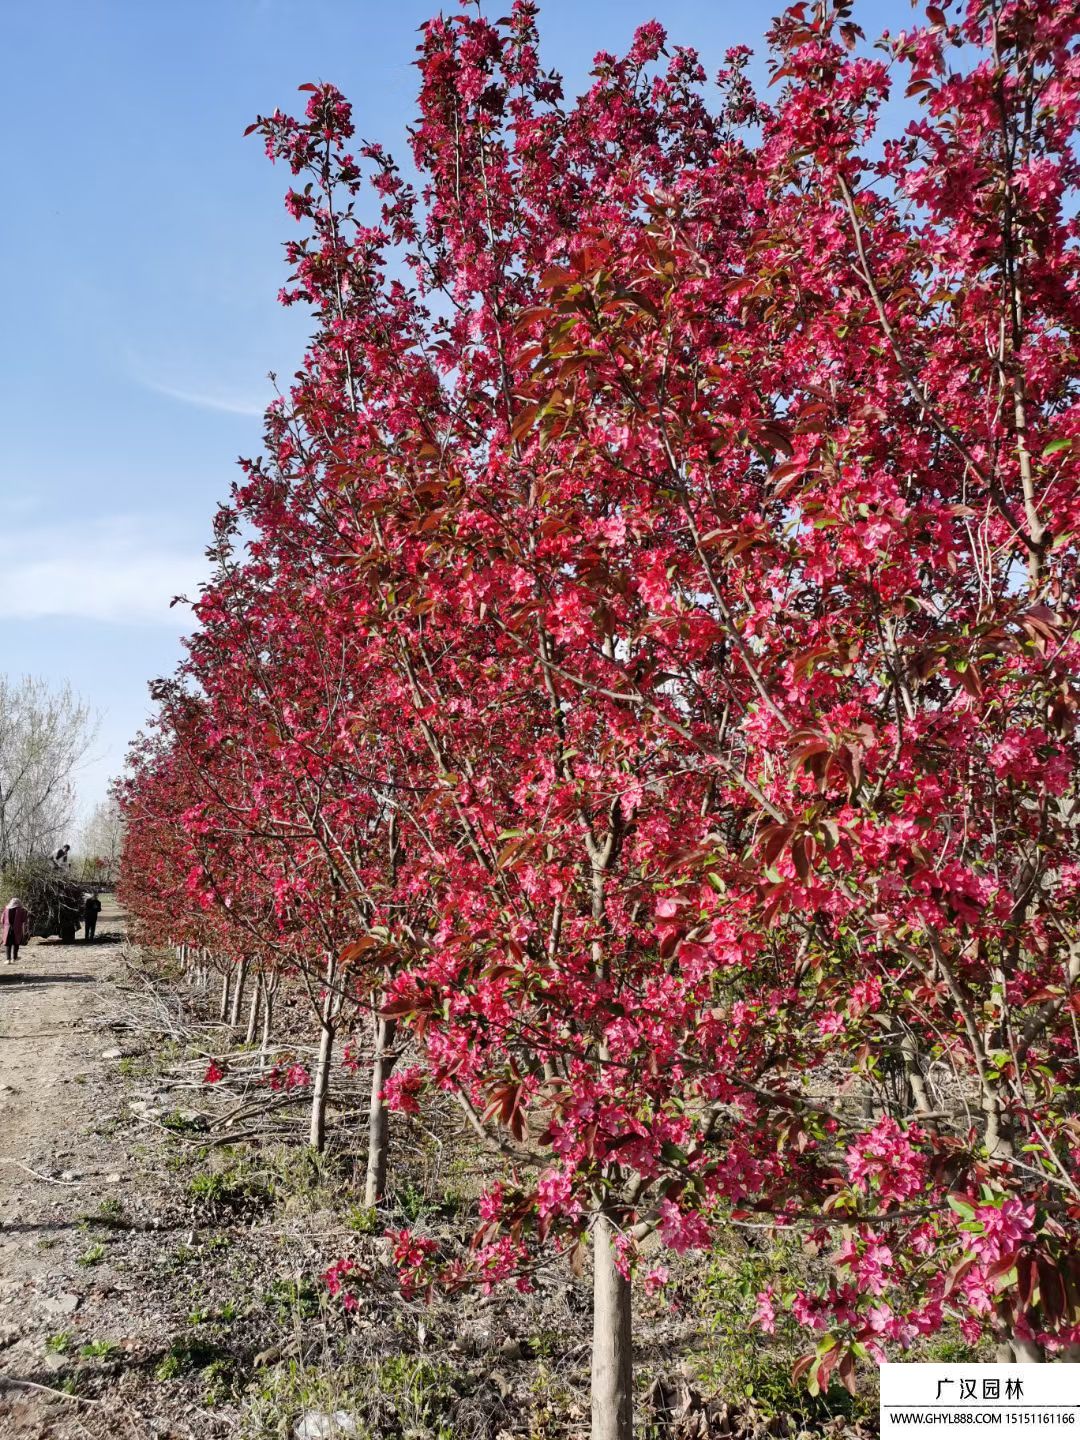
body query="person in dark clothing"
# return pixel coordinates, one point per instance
(91, 910)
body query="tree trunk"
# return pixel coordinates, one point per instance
(238, 994)
(223, 1013)
(915, 1078)
(321, 1089)
(612, 1355)
(268, 1019)
(253, 1014)
(378, 1118)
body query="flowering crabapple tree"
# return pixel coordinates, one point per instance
(277, 830)
(158, 865)
(521, 798)
(153, 860)
(658, 641)
(869, 524)
(837, 565)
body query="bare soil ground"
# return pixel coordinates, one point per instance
(58, 1164)
(163, 1245)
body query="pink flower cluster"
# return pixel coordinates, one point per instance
(885, 1158)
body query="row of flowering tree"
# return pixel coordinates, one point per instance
(643, 664)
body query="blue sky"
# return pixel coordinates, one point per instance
(140, 249)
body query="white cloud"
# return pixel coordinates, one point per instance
(115, 570)
(231, 404)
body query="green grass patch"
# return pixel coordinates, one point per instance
(98, 1350)
(186, 1355)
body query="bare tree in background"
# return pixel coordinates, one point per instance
(45, 733)
(100, 841)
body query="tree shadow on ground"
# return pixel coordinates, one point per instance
(90, 1221)
(12, 978)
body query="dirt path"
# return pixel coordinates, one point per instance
(57, 1068)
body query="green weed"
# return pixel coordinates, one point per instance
(186, 1355)
(182, 1122)
(97, 1350)
(289, 1298)
(216, 1193)
(363, 1219)
(416, 1394)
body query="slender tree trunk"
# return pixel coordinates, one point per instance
(378, 1118)
(238, 993)
(268, 1019)
(612, 1355)
(915, 1077)
(223, 1012)
(253, 1014)
(321, 1088)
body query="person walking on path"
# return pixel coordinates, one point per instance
(91, 910)
(14, 925)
